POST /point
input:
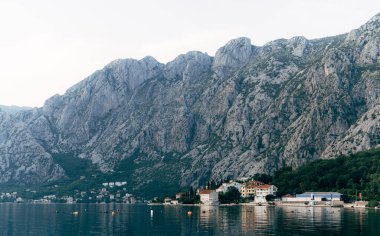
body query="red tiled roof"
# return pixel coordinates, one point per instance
(253, 183)
(206, 191)
(265, 186)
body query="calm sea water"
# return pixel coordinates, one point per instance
(41, 219)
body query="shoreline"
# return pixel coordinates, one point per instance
(345, 206)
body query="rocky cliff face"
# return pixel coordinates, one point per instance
(248, 109)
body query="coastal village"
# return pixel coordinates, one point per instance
(109, 192)
(242, 191)
(253, 192)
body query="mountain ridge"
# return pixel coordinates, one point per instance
(247, 110)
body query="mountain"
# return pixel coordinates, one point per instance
(247, 110)
(13, 109)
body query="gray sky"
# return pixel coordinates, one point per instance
(46, 46)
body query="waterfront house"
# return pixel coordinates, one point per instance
(249, 189)
(174, 202)
(167, 200)
(69, 199)
(50, 197)
(319, 196)
(288, 198)
(19, 199)
(209, 197)
(180, 195)
(264, 190)
(315, 198)
(129, 199)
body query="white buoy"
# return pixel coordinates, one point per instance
(151, 213)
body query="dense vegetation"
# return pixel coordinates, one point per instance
(232, 195)
(349, 175)
(73, 166)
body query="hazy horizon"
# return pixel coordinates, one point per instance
(47, 46)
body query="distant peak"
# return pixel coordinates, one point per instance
(191, 61)
(150, 60)
(235, 53)
(120, 62)
(242, 41)
(373, 23)
(375, 18)
(298, 39)
(192, 55)
(370, 28)
(238, 44)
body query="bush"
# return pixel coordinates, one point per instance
(269, 197)
(232, 195)
(373, 204)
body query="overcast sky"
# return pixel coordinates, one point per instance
(46, 46)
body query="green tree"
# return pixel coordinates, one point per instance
(358, 172)
(232, 195)
(269, 197)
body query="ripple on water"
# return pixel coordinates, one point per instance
(108, 219)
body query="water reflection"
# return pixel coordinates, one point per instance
(308, 218)
(104, 219)
(258, 218)
(208, 216)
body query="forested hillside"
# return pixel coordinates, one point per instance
(350, 175)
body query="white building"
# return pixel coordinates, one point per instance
(167, 200)
(69, 200)
(209, 197)
(119, 183)
(243, 179)
(174, 202)
(19, 199)
(224, 187)
(263, 191)
(314, 198)
(288, 198)
(319, 196)
(180, 195)
(50, 197)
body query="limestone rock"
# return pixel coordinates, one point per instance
(247, 110)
